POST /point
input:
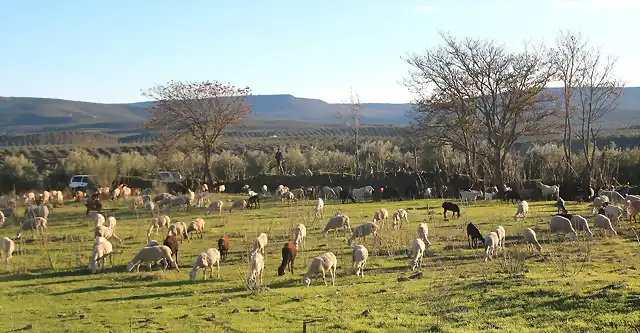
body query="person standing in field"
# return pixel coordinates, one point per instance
(279, 162)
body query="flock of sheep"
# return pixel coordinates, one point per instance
(36, 216)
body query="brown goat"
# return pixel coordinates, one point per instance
(223, 246)
(172, 243)
(288, 257)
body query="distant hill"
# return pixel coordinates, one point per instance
(29, 115)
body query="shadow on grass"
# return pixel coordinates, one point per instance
(57, 282)
(91, 289)
(146, 297)
(50, 275)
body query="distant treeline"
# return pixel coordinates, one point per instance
(57, 139)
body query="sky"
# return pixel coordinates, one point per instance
(110, 51)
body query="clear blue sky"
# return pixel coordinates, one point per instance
(109, 51)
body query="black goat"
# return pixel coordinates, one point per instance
(345, 195)
(450, 206)
(254, 201)
(512, 196)
(473, 234)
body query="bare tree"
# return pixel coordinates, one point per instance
(480, 88)
(569, 60)
(351, 117)
(196, 114)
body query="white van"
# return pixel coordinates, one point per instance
(79, 181)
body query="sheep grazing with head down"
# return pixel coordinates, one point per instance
(101, 251)
(531, 239)
(256, 266)
(223, 246)
(179, 229)
(360, 256)
(238, 204)
(337, 222)
(490, 245)
(300, 235)
(474, 235)
(417, 251)
(603, 222)
(289, 252)
(598, 202)
(633, 207)
(151, 254)
(196, 226)
(363, 230)
(215, 206)
(321, 264)
(207, 259)
(450, 206)
(33, 224)
(98, 219)
(398, 217)
(7, 246)
(260, 243)
(381, 215)
(423, 233)
(523, 209)
(562, 225)
(172, 243)
(560, 206)
(499, 230)
(162, 221)
(579, 223)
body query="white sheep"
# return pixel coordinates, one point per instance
(152, 254)
(417, 251)
(336, 222)
(207, 259)
(423, 233)
(33, 224)
(101, 251)
(256, 267)
(98, 219)
(240, 203)
(530, 239)
(7, 246)
(319, 210)
(467, 196)
(329, 193)
(357, 194)
(321, 264)
(633, 208)
(615, 197)
(264, 189)
(260, 243)
(398, 217)
(579, 223)
(490, 244)
(106, 232)
(196, 226)
(360, 256)
(381, 215)
(523, 209)
(300, 235)
(178, 229)
(499, 230)
(548, 191)
(365, 229)
(562, 225)
(162, 221)
(604, 223)
(614, 213)
(215, 206)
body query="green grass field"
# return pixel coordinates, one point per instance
(572, 286)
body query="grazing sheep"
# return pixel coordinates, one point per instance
(614, 213)
(450, 206)
(196, 226)
(319, 210)
(321, 264)
(240, 203)
(562, 225)
(98, 219)
(101, 251)
(223, 246)
(288, 257)
(467, 196)
(33, 224)
(531, 239)
(151, 254)
(616, 198)
(560, 206)
(523, 209)
(632, 206)
(256, 266)
(7, 246)
(179, 229)
(207, 259)
(417, 251)
(172, 243)
(359, 257)
(329, 193)
(603, 222)
(381, 215)
(162, 221)
(300, 235)
(177, 202)
(367, 228)
(474, 235)
(336, 222)
(106, 232)
(37, 211)
(598, 202)
(490, 244)
(579, 223)
(423, 233)
(499, 230)
(298, 193)
(260, 243)
(215, 206)
(399, 216)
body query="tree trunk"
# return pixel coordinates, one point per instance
(497, 163)
(207, 168)
(586, 182)
(355, 136)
